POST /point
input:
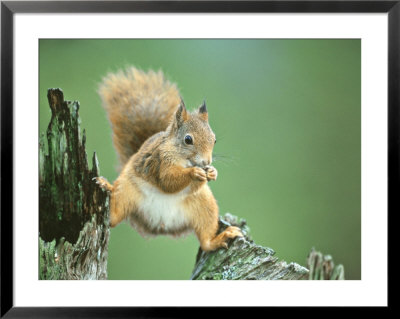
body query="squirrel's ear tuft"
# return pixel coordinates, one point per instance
(203, 108)
(203, 111)
(181, 113)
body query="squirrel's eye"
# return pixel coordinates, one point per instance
(188, 140)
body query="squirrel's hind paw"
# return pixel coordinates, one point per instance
(233, 232)
(103, 183)
(221, 239)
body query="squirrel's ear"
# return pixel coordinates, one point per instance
(181, 113)
(203, 110)
(203, 107)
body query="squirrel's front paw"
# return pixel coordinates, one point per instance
(211, 173)
(103, 183)
(198, 174)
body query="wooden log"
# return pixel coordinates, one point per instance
(245, 260)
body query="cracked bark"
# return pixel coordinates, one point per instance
(245, 260)
(73, 210)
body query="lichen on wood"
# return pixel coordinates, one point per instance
(73, 210)
(244, 259)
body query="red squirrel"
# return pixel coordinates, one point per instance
(165, 153)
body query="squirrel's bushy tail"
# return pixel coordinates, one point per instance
(139, 104)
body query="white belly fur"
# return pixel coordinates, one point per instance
(163, 210)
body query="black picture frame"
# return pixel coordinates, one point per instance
(9, 8)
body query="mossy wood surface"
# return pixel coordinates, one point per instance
(246, 260)
(73, 210)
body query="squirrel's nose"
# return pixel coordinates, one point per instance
(206, 162)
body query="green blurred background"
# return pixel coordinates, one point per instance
(287, 116)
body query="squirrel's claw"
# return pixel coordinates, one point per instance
(224, 245)
(103, 183)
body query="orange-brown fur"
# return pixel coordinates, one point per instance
(149, 130)
(138, 105)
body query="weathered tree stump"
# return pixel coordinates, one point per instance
(323, 268)
(245, 260)
(73, 210)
